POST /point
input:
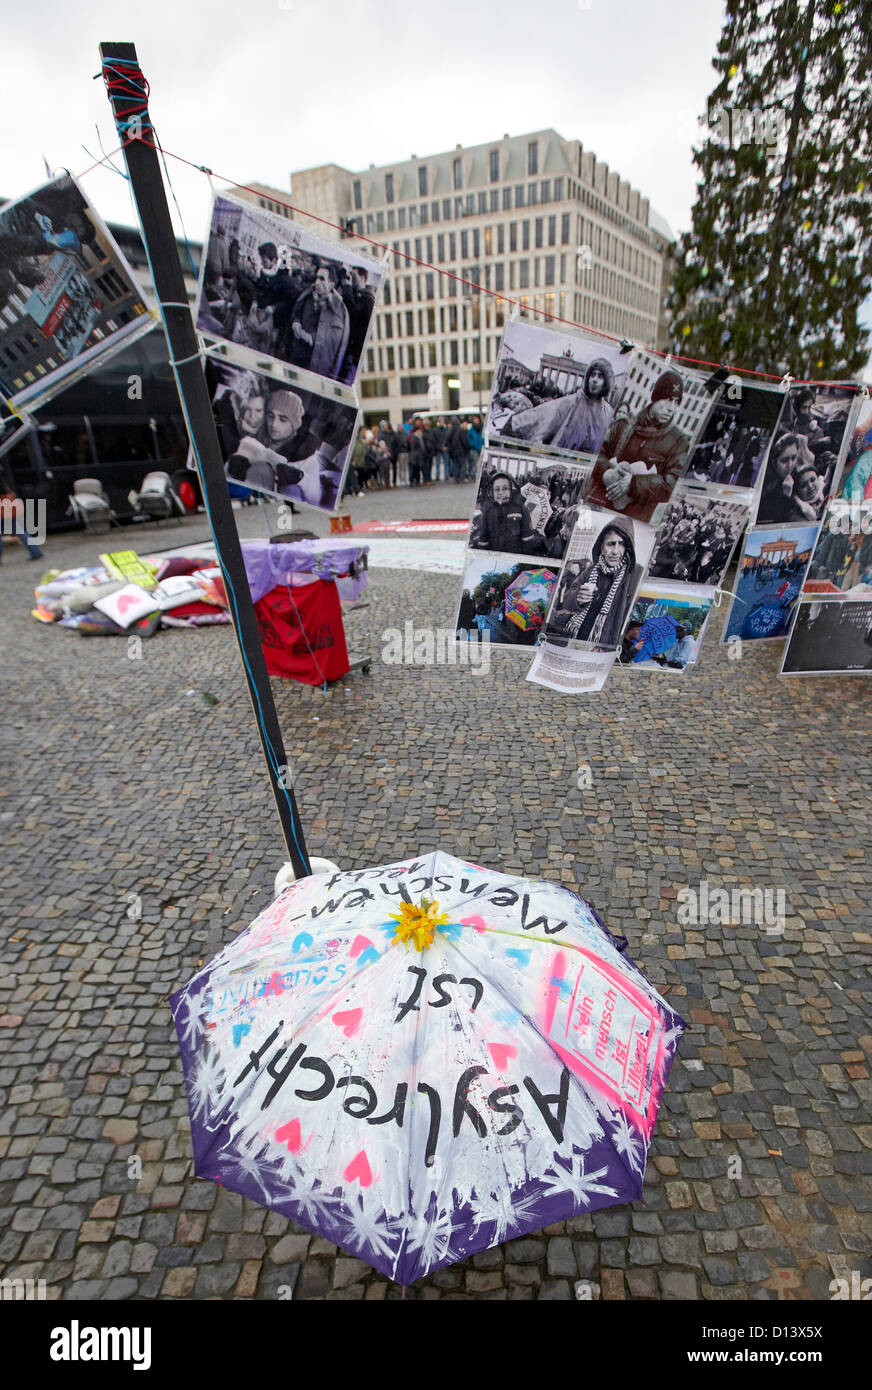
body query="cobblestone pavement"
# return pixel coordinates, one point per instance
(119, 782)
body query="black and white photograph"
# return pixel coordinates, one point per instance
(602, 571)
(644, 452)
(526, 504)
(696, 536)
(284, 292)
(735, 441)
(841, 564)
(555, 389)
(830, 638)
(804, 457)
(278, 438)
(66, 292)
(504, 599)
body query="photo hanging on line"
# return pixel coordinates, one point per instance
(526, 504)
(268, 284)
(697, 534)
(832, 637)
(733, 446)
(504, 598)
(278, 438)
(768, 581)
(666, 626)
(602, 571)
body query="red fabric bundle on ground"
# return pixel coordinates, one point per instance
(302, 633)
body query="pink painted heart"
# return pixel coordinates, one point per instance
(501, 1052)
(126, 601)
(349, 1021)
(359, 944)
(477, 923)
(290, 1134)
(359, 1170)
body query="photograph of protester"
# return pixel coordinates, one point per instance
(65, 289)
(856, 481)
(643, 454)
(665, 629)
(696, 537)
(280, 439)
(768, 582)
(604, 563)
(734, 443)
(802, 463)
(268, 284)
(830, 638)
(554, 388)
(509, 596)
(526, 504)
(842, 561)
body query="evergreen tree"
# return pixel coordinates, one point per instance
(778, 262)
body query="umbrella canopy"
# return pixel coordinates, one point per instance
(423, 1059)
(529, 588)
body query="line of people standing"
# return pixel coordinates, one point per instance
(418, 453)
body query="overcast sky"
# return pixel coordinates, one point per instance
(257, 89)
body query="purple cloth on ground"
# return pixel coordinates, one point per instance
(267, 565)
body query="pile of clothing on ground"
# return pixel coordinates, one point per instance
(126, 595)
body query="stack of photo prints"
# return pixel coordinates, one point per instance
(613, 490)
(288, 314)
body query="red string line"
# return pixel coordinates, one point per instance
(506, 299)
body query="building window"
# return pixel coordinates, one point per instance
(452, 246)
(430, 249)
(392, 220)
(440, 247)
(525, 228)
(564, 228)
(413, 386)
(533, 157)
(387, 291)
(422, 181)
(549, 270)
(379, 221)
(532, 193)
(475, 242)
(464, 245)
(546, 191)
(401, 217)
(457, 172)
(558, 190)
(424, 218)
(370, 223)
(389, 188)
(540, 224)
(410, 354)
(414, 219)
(552, 231)
(482, 202)
(494, 166)
(499, 278)
(507, 200)
(419, 249)
(513, 236)
(452, 348)
(370, 360)
(523, 275)
(495, 200)
(375, 387)
(446, 209)
(391, 364)
(434, 212)
(470, 204)
(501, 239)
(388, 329)
(408, 288)
(519, 195)
(358, 196)
(488, 241)
(431, 348)
(429, 283)
(410, 323)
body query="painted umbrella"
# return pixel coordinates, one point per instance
(422, 1060)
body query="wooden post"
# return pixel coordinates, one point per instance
(141, 156)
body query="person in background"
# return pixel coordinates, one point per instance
(384, 462)
(475, 444)
(466, 615)
(440, 434)
(456, 445)
(429, 452)
(417, 455)
(9, 519)
(401, 456)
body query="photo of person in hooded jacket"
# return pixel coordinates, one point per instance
(641, 460)
(505, 523)
(578, 421)
(592, 605)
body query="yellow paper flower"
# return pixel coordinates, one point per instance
(418, 923)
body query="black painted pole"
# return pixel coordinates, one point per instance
(126, 88)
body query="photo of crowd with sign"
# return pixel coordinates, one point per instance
(768, 582)
(697, 534)
(526, 504)
(830, 638)
(66, 292)
(603, 568)
(856, 481)
(281, 439)
(666, 626)
(841, 566)
(644, 452)
(504, 599)
(555, 389)
(269, 285)
(735, 441)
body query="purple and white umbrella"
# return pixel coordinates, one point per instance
(422, 1060)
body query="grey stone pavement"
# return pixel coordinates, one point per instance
(117, 783)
